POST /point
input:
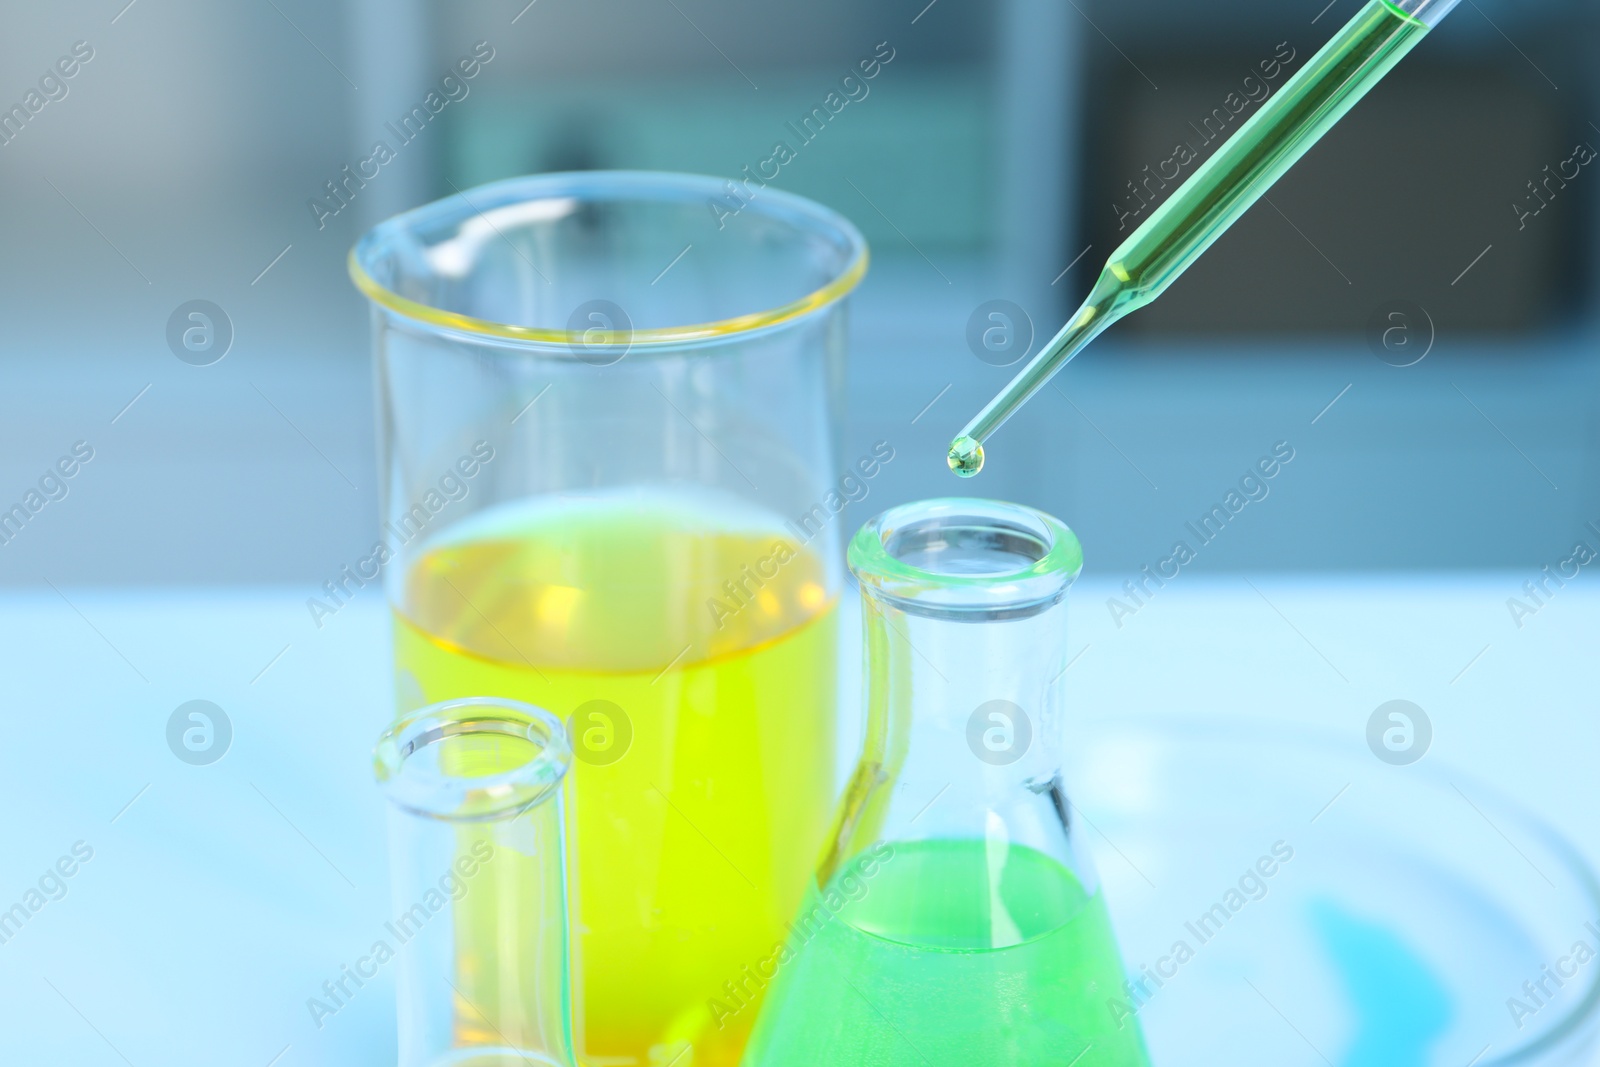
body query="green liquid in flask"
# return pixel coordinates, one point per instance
(964, 953)
(1224, 187)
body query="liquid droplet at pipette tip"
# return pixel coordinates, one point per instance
(966, 456)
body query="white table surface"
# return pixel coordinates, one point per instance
(220, 897)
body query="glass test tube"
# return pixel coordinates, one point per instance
(474, 788)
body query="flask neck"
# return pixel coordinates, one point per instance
(982, 692)
(964, 619)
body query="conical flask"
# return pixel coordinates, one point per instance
(955, 917)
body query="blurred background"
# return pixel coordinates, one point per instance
(993, 158)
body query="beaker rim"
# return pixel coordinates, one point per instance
(1033, 558)
(607, 184)
(424, 788)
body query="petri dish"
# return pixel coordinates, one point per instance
(1288, 899)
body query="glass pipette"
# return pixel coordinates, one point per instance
(1218, 193)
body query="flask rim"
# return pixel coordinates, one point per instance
(1047, 559)
(429, 791)
(379, 241)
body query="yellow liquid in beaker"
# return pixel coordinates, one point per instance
(690, 850)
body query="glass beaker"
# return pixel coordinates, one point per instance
(606, 405)
(954, 917)
(474, 790)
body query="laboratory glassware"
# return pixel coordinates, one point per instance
(609, 488)
(1397, 913)
(478, 868)
(1213, 198)
(955, 916)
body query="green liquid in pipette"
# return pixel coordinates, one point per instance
(1213, 198)
(902, 974)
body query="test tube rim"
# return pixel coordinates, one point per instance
(464, 798)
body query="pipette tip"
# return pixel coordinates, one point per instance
(966, 456)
